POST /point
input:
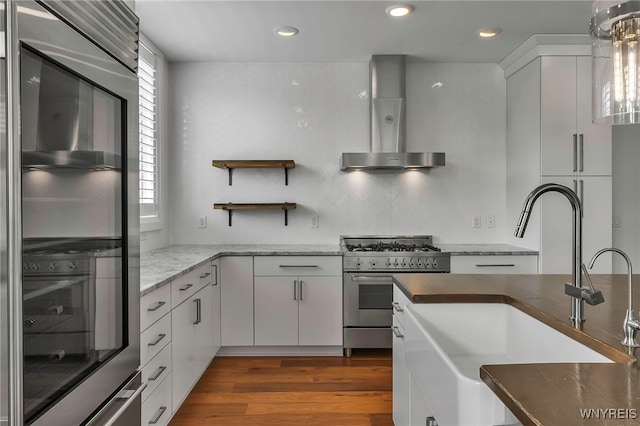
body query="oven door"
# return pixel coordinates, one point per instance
(76, 122)
(367, 299)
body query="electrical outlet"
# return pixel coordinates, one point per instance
(477, 222)
(617, 222)
(314, 221)
(202, 222)
(491, 221)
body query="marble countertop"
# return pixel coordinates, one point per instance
(485, 250)
(158, 267)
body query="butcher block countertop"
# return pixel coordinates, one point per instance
(552, 394)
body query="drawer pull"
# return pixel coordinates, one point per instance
(299, 266)
(157, 416)
(156, 306)
(205, 275)
(397, 307)
(396, 331)
(186, 287)
(497, 265)
(158, 372)
(198, 303)
(158, 339)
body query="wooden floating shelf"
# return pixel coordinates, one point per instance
(255, 164)
(230, 207)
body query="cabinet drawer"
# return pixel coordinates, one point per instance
(297, 265)
(400, 301)
(525, 264)
(188, 284)
(154, 306)
(156, 370)
(154, 339)
(158, 409)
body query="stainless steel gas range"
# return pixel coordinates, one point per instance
(369, 263)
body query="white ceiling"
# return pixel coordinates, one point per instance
(351, 31)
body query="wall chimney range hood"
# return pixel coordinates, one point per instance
(387, 112)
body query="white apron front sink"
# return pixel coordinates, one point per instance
(447, 343)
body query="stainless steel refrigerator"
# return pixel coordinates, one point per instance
(69, 234)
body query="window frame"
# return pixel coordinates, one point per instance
(155, 222)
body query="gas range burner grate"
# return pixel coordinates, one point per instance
(391, 247)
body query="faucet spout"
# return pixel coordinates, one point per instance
(577, 303)
(631, 323)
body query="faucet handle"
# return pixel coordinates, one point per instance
(592, 297)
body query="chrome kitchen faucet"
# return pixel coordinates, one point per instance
(578, 294)
(631, 324)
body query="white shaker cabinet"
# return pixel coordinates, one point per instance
(298, 301)
(192, 335)
(236, 310)
(215, 300)
(569, 142)
(550, 138)
(401, 375)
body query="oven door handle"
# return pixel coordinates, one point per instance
(378, 279)
(130, 396)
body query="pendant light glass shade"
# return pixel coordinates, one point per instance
(615, 52)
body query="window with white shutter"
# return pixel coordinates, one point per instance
(149, 137)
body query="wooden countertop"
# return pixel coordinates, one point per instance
(552, 394)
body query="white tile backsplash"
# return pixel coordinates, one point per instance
(311, 113)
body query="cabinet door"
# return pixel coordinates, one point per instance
(401, 379)
(276, 311)
(236, 308)
(596, 153)
(204, 329)
(215, 290)
(320, 311)
(558, 115)
(556, 227)
(184, 359)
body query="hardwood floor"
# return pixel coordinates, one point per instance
(308, 391)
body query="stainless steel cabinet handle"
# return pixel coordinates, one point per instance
(130, 396)
(498, 265)
(397, 307)
(396, 332)
(158, 339)
(575, 186)
(157, 416)
(295, 289)
(575, 152)
(214, 271)
(198, 303)
(157, 373)
(299, 266)
(300, 292)
(156, 306)
(582, 193)
(581, 149)
(186, 287)
(205, 275)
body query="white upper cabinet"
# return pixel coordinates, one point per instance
(569, 142)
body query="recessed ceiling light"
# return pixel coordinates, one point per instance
(286, 31)
(399, 10)
(489, 32)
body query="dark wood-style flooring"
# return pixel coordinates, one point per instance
(297, 390)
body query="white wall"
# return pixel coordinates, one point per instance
(311, 113)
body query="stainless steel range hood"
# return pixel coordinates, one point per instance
(387, 112)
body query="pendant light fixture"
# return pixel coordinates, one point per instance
(615, 51)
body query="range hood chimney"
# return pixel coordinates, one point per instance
(387, 112)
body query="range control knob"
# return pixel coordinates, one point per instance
(404, 262)
(388, 262)
(435, 263)
(412, 263)
(427, 263)
(52, 266)
(73, 266)
(373, 262)
(395, 263)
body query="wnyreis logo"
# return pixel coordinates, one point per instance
(608, 413)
